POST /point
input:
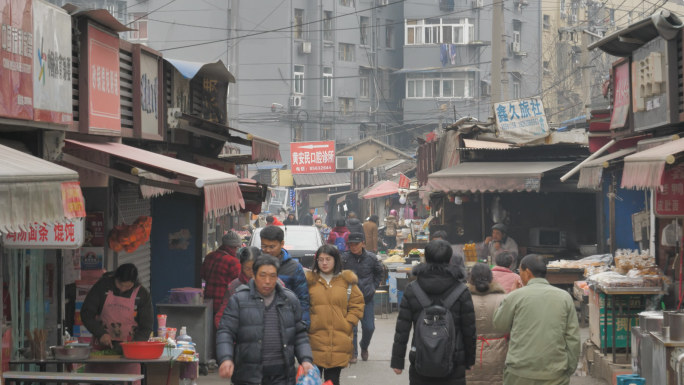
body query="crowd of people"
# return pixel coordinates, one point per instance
(508, 328)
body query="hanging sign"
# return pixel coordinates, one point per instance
(104, 105)
(312, 157)
(63, 235)
(621, 101)
(72, 200)
(16, 51)
(669, 201)
(404, 181)
(521, 121)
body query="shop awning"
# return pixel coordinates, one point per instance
(591, 172)
(323, 179)
(381, 189)
(163, 174)
(491, 176)
(645, 168)
(36, 190)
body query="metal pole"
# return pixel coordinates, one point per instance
(589, 159)
(497, 49)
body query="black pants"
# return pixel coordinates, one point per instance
(277, 379)
(332, 374)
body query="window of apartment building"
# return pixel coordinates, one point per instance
(612, 16)
(327, 82)
(517, 36)
(328, 26)
(346, 52)
(364, 26)
(347, 3)
(298, 23)
(414, 32)
(364, 85)
(298, 79)
(460, 32)
(547, 22)
(389, 31)
(451, 85)
(139, 23)
(346, 106)
(326, 133)
(438, 31)
(516, 89)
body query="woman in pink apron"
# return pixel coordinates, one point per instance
(117, 309)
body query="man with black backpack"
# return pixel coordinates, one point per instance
(439, 308)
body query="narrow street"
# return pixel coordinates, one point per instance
(377, 371)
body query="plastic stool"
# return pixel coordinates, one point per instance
(383, 302)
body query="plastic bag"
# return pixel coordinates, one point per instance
(312, 377)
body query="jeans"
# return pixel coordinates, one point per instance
(367, 328)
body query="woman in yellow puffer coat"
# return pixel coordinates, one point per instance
(336, 307)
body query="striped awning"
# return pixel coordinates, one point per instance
(591, 172)
(645, 168)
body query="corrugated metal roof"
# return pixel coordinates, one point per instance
(321, 179)
(483, 144)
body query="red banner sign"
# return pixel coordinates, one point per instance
(104, 106)
(67, 235)
(16, 50)
(404, 181)
(312, 157)
(72, 200)
(622, 96)
(670, 201)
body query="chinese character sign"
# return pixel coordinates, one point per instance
(16, 51)
(104, 106)
(621, 101)
(62, 235)
(312, 157)
(52, 86)
(669, 201)
(72, 200)
(521, 121)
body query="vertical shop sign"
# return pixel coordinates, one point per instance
(669, 201)
(95, 229)
(104, 106)
(52, 88)
(61, 235)
(17, 50)
(312, 157)
(149, 94)
(622, 96)
(72, 200)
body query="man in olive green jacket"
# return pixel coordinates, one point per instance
(545, 343)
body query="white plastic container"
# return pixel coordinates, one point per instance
(183, 335)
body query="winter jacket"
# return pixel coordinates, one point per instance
(338, 231)
(242, 328)
(354, 225)
(291, 273)
(391, 226)
(370, 229)
(369, 270)
(232, 287)
(290, 222)
(507, 279)
(95, 299)
(437, 281)
(492, 346)
(219, 269)
(334, 313)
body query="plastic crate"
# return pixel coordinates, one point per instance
(630, 379)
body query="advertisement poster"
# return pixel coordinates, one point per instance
(622, 97)
(149, 94)
(94, 229)
(104, 106)
(521, 121)
(65, 235)
(72, 200)
(17, 50)
(52, 88)
(312, 157)
(669, 201)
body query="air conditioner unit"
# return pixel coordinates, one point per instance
(306, 47)
(344, 162)
(515, 46)
(296, 101)
(573, 18)
(478, 3)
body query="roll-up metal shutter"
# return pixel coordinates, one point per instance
(130, 206)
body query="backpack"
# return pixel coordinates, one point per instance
(340, 242)
(435, 336)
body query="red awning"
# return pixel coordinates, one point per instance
(645, 168)
(592, 172)
(221, 190)
(381, 189)
(264, 150)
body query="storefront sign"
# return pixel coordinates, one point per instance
(95, 229)
(72, 200)
(52, 87)
(149, 95)
(404, 181)
(669, 201)
(622, 97)
(104, 106)
(312, 157)
(16, 50)
(521, 121)
(64, 235)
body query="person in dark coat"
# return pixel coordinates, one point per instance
(307, 219)
(437, 279)
(261, 331)
(353, 223)
(290, 220)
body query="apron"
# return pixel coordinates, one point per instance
(118, 318)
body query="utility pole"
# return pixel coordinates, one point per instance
(497, 49)
(586, 73)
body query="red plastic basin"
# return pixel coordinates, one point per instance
(143, 350)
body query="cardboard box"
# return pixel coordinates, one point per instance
(597, 321)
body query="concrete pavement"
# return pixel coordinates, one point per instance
(377, 370)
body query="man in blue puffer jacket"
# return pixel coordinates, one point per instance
(261, 331)
(291, 271)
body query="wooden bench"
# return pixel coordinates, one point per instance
(71, 378)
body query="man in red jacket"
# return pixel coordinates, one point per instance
(220, 267)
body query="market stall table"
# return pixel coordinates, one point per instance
(564, 277)
(42, 364)
(71, 378)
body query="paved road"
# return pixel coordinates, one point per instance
(376, 370)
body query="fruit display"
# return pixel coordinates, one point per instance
(130, 237)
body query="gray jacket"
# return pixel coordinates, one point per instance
(369, 270)
(242, 328)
